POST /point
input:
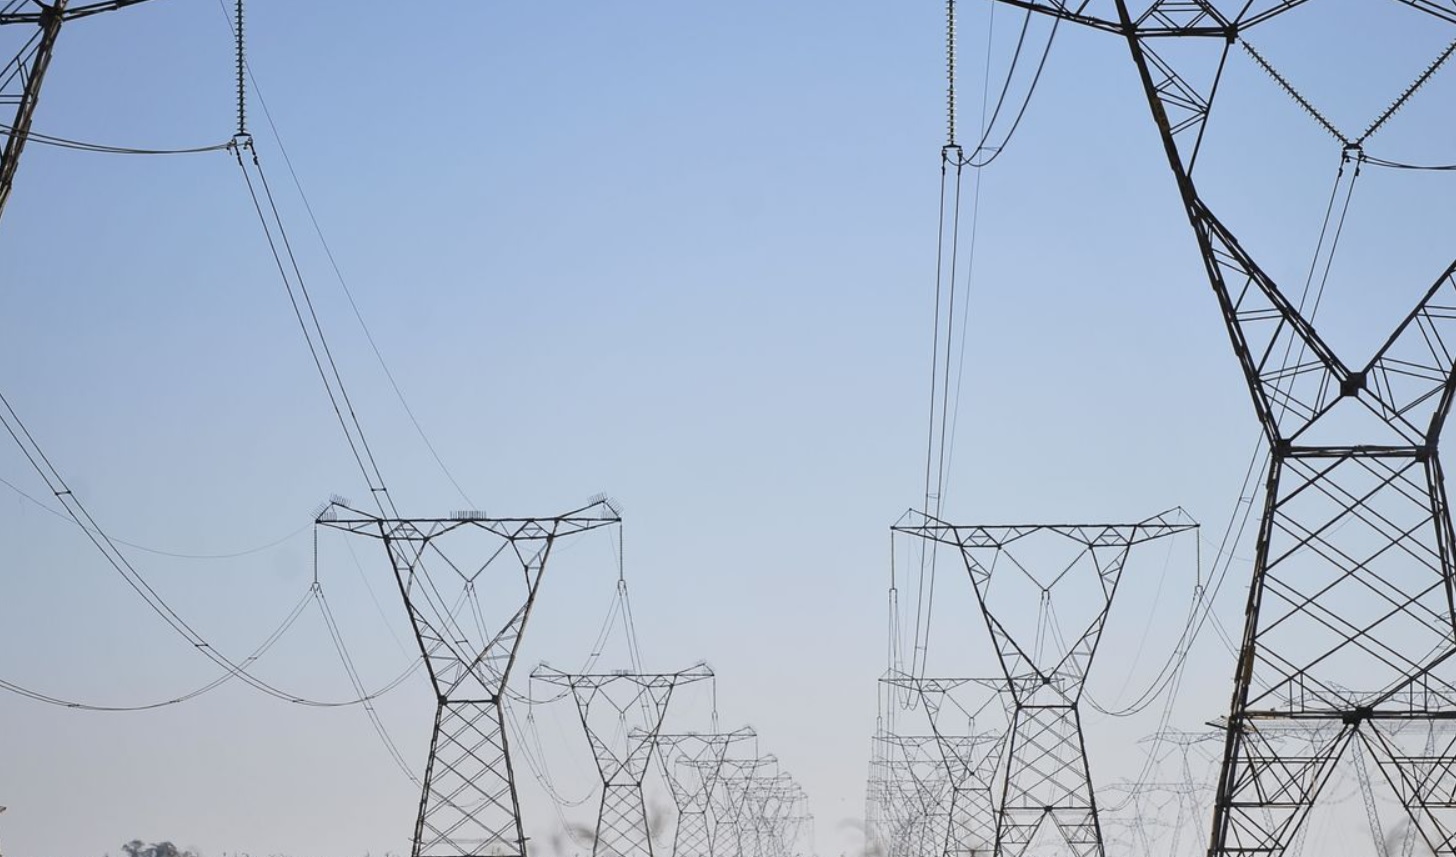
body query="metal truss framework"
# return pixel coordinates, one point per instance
(22, 76)
(778, 816)
(916, 789)
(1350, 614)
(970, 761)
(468, 804)
(1046, 779)
(1160, 816)
(622, 829)
(691, 764)
(732, 834)
(770, 812)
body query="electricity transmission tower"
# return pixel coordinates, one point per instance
(21, 78)
(622, 827)
(775, 811)
(1164, 817)
(1349, 627)
(691, 764)
(768, 804)
(731, 838)
(1046, 779)
(917, 792)
(970, 760)
(468, 803)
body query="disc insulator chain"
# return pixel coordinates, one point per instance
(950, 73)
(242, 71)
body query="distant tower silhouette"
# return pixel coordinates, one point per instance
(622, 829)
(691, 764)
(1046, 780)
(468, 804)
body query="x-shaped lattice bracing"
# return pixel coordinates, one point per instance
(751, 807)
(1038, 670)
(20, 82)
(1046, 782)
(727, 802)
(469, 806)
(1350, 611)
(970, 760)
(770, 806)
(622, 825)
(691, 764)
(919, 787)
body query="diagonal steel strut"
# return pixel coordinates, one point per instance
(469, 805)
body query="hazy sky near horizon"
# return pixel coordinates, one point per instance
(683, 254)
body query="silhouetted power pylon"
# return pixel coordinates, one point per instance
(21, 78)
(622, 829)
(776, 810)
(970, 757)
(1349, 626)
(691, 764)
(918, 792)
(732, 825)
(469, 805)
(767, 805)
(1046, 779)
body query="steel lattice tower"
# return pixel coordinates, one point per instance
(691, 764)
(21, 78)
(622, 829)
(767, 805)
(468, 803)
(727, 803)
(970, 761)
(1350, 624)
(919, 792)
(1046, 778)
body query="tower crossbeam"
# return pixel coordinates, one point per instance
(469, 805)
(622, 828)
(1046, 781)
(691, 764)
(970, 760)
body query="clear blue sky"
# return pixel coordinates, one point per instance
(679, 253)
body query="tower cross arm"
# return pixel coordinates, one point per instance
(1182, 18)
(67, 13)
(338, 514)
(1074, 12)
(550, 675)
(1162, 18)
(1445, 11)
(925, 526)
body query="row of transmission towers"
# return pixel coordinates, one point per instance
(1004, 763)
(1345, 661)
(469, 582)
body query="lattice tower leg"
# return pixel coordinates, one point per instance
(468, 804)
(1389, 541)
(1349, 625)
(691, 839)
(622, 823)
(1048, 782)
(25, 104)
(972, 817)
